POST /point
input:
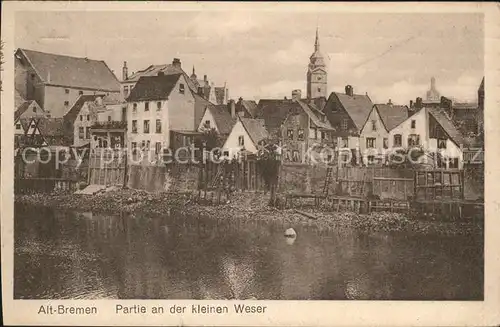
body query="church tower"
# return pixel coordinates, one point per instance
(316, 73)
(432, 93)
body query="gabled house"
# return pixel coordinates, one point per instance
(297, 124)
(245, 136)
(20, 129)
(81, 117)
(50, 132)
(28, 109)
(434, 131)
(347, 113)
(218, 117)
(160, 109)
(56, 81)
(374, 137)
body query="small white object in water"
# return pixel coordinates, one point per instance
(290, 232)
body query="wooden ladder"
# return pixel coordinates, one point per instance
(217, 179)
(329, 173)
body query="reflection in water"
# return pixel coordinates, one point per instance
(84, 255)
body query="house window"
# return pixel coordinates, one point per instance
(344, 124)
(81, 117)
(125, 90)
(158, 126)
(319, 89)
(88, 117)
(370, 142)
(34, 109)
(146, 126)
(80, 92)
(109, 118)
(289, 134)
(398, 140)
(300, 134)
(66, 103)
(143, 145)
(134, 126)
(66, 91)
(134, 146)
(386, 143)
(413, 123)
(241, 140)
(181, 88)
(371, 160)
(157, 147)
(453, 163)
(207, 124)
(87, 133)
(374, 125)
(295, 156)
(81, 133)
(18, 126)
(158, 106)
(441, 143)
(323, 135)
(413, 139)
(146, 106)
(345, 142)
(134, 108)
(148, 143)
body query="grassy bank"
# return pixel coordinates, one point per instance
(244, 207)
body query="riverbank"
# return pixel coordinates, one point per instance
(244, 206)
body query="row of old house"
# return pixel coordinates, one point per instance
(64, 101)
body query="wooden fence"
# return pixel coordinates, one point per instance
(243, 176)
(107, 167)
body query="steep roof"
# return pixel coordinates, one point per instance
(357, 106)
(23, 107)
(391, 115)
(153, 87)
(18, 98)
(200, 105)
(75, 72)
(448, 126)
(274, 112)
(255, 129)
(465, 105)
(318, 118)
(74, 111)
(222, 118)
(249, 106)
(166, 69)
(25, 122)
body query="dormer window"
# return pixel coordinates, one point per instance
(181, 88)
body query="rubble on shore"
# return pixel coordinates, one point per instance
(243, 206)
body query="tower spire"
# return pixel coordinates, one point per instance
(316, 43)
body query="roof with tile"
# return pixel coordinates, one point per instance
(448, 126)
(222, 118)
(250, 106)
(274, 112)
(255, 129)
(153, 87)
(317, 117)
(25, 106)
(391, 115)
(61, 70)
(166, 69)
(74, 111)
(357, 106)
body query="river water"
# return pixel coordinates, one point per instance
(69, 255)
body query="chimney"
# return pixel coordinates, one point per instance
(285, 98)
(296, 94)
(447, 105)
(232, 108)
(411, 103)
(161, 73)
(205, 78)
(389, 102)
(125, 71)
(418, 103)
(176, 63)
(349, 90)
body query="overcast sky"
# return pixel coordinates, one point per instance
(265, 54)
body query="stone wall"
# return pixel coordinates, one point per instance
(169, 178)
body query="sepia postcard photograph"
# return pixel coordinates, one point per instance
(250, 164)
